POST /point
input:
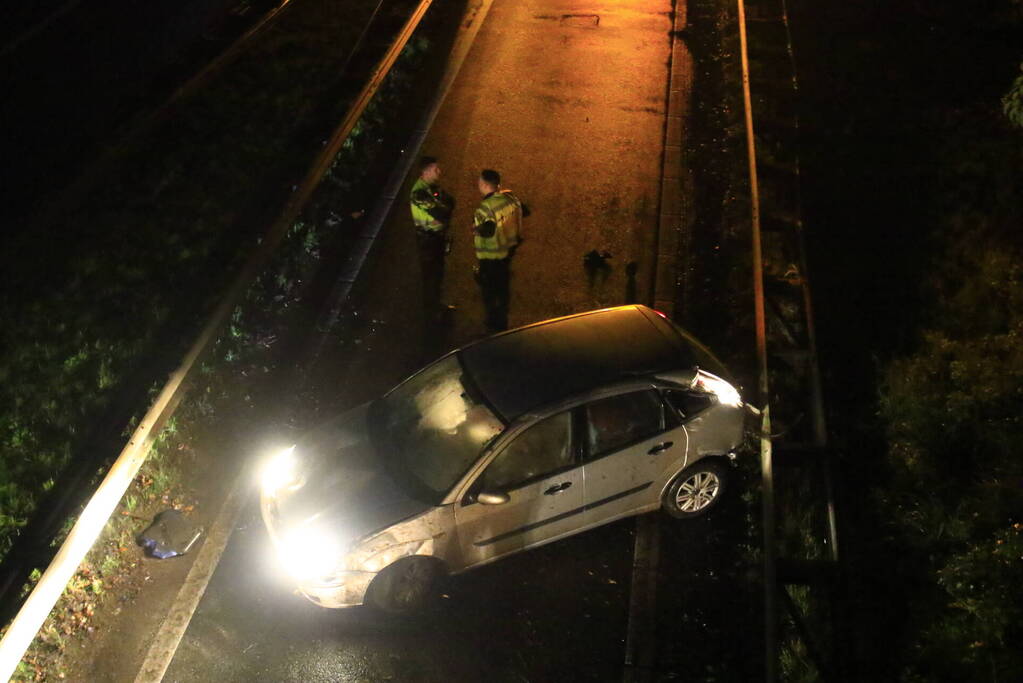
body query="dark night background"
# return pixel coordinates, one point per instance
(76, 75)
(912, 199)
(912, 192)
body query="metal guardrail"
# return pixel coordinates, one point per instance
(763, 389)
(50, 586)
(785, 338)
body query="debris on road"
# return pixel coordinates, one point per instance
(169, 535)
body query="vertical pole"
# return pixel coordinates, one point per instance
(766, 466)
(770, 564)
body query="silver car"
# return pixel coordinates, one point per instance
(506, 444)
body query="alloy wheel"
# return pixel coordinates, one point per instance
(697, 492)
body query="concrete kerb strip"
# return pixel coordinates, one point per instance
(640, 643)
(672, 200)
(48, 589)
(164, 646)
(640, 637)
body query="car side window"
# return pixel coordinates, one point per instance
(688, 403)
(542, 449)
(615, 422)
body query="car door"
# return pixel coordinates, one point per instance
(631, 443)
(540, 474)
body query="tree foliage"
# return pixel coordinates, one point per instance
(1012, 103)
(953, 410)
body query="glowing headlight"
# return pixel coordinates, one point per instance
(309, 553)
(725, 392)
(281, 472)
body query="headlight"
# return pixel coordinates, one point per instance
(310, 553)
(281, 473)
(725, 392)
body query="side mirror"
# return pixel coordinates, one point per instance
(492, 498)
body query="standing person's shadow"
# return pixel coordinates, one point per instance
(630, 283)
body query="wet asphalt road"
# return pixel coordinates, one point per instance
(566, 100)
(556, 613)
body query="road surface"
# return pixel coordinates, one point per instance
(567, 101)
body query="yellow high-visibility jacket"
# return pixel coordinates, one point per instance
(430, 208)
(497, 225)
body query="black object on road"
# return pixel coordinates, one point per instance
(596, 266)
(169, 535)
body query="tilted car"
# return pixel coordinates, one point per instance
(506, 444)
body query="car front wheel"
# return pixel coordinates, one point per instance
(696, 490)
(406, 586)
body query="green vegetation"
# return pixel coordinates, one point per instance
(1012, 103)
(954, 431)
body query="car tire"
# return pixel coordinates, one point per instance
(405, 587)
(696, 490)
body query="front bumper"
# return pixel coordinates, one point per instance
(343, 589)
(349, 590)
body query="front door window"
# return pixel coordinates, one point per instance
(542, 449)
(542, 478)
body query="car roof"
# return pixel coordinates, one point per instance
(530, 367)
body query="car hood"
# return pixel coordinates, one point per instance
(346, 488)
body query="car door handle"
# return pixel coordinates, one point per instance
(663, 446)
(557, 488)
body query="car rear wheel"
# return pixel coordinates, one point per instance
(696, 490)
(406, 586)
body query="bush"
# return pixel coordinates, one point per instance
(956, 495)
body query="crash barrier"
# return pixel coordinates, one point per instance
(83, 534)
(785, 335)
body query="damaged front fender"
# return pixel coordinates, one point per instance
(385, 549)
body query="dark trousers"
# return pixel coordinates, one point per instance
(495, 280)
(431, 263)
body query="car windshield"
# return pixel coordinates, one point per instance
(432, 428)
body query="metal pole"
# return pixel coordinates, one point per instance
(766, 465)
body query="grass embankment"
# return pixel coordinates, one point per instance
(239, 373)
